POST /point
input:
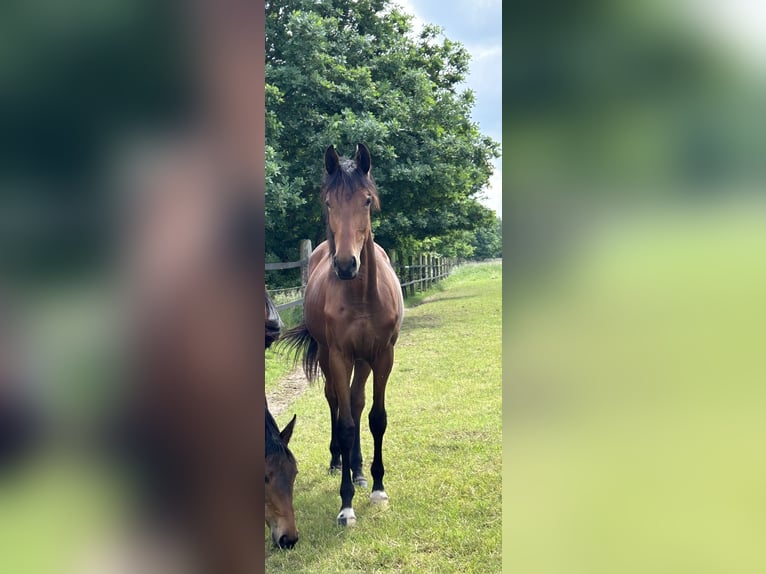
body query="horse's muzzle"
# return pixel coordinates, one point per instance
(287, 542)
(345, 269)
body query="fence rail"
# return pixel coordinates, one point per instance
(416, 272)
(281, 266)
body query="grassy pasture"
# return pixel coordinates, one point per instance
(442, 448)
(634, 400)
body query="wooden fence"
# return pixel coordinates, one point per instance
(420, 272)
(416, 272)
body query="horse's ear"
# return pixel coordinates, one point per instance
(287, 432)
(362, 158)
(331, 160)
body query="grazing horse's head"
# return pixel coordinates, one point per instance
(281, 470)
(349, 194)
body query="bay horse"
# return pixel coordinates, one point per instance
(352, 313)
(281, 467)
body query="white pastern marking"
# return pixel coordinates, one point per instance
(347, 517)
(378, 497)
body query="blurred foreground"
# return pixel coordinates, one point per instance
(634, 399)
(634, 309)
(131, 280)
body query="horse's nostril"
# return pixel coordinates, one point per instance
(286, 542)
(353, 263)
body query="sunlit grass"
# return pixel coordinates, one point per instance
(634, 402)
(53, 510)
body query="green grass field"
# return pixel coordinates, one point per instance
(634, 406)
(442, 448)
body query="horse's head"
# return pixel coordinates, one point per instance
(349, 195)
(281, 470)
(273, 322)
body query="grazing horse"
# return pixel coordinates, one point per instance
(281, 467)
(352, 313)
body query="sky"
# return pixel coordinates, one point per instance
(477, 24)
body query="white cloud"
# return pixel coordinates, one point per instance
(417, 22)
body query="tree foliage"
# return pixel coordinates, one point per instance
(347, 71)
(488, 242)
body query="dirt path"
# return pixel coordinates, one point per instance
(290, 387)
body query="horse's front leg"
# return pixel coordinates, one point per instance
(379, 421)
(340, 373)
(361, 372)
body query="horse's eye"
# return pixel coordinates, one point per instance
(368, 203)
(327, 204)
(267, 479)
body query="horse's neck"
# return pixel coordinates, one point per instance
(370, 262)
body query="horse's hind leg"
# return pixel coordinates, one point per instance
(378, 421)
(361, 372)
(332, 402)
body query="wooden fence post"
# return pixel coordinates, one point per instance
(305, 255)
(421, 271)
(429, 271)
(402, 274)
(411, 277)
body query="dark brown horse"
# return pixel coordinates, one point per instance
(281, 470)
(281, 467)
(352, 313)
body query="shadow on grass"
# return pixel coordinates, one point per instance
(421, 322)
(414, 302)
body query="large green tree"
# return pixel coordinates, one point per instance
(344, 71)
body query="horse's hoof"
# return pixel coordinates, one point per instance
(347, 517)
(334, 470)
(378, 497)
(360, 481)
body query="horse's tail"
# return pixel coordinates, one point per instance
(299, 341)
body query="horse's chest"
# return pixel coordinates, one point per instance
(360, 329)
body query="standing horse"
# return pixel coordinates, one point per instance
(352, 313)
(281, 467)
